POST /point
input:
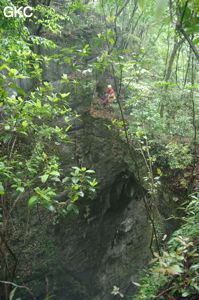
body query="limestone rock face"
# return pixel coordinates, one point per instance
(109, 245)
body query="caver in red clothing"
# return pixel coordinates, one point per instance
(110, 95)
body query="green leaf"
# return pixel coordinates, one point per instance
(44, 178)
(13, 72)
(32, 201)
(7, 138)
(75, 197)
(194, 267)
(65, 95)
(185, 294)
(4, 66)
(90, 171)
(93, 183)
(55, 173)
(12, 293)
(75, 187)
(81, 194)
(110, 19)
(2, 165)
(20, 189)
(196, 41)
(67, 59)
(7, 127)
(68, 128)
(111, 41)
(1, 189)
(65, 77)
(38, 104)
(51, 208)
(65, 179)
(24, 124)
(74, 180)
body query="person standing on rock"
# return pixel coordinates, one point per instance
(110, 95)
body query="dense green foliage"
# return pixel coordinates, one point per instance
(31, 172)
(175, 273)
(148, 51)
(28, 127)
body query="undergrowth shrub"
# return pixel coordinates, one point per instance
(175, 273)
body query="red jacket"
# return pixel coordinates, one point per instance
(110, 92)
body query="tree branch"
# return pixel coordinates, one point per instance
(187, 38)
(19, 286)
(122, 8)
